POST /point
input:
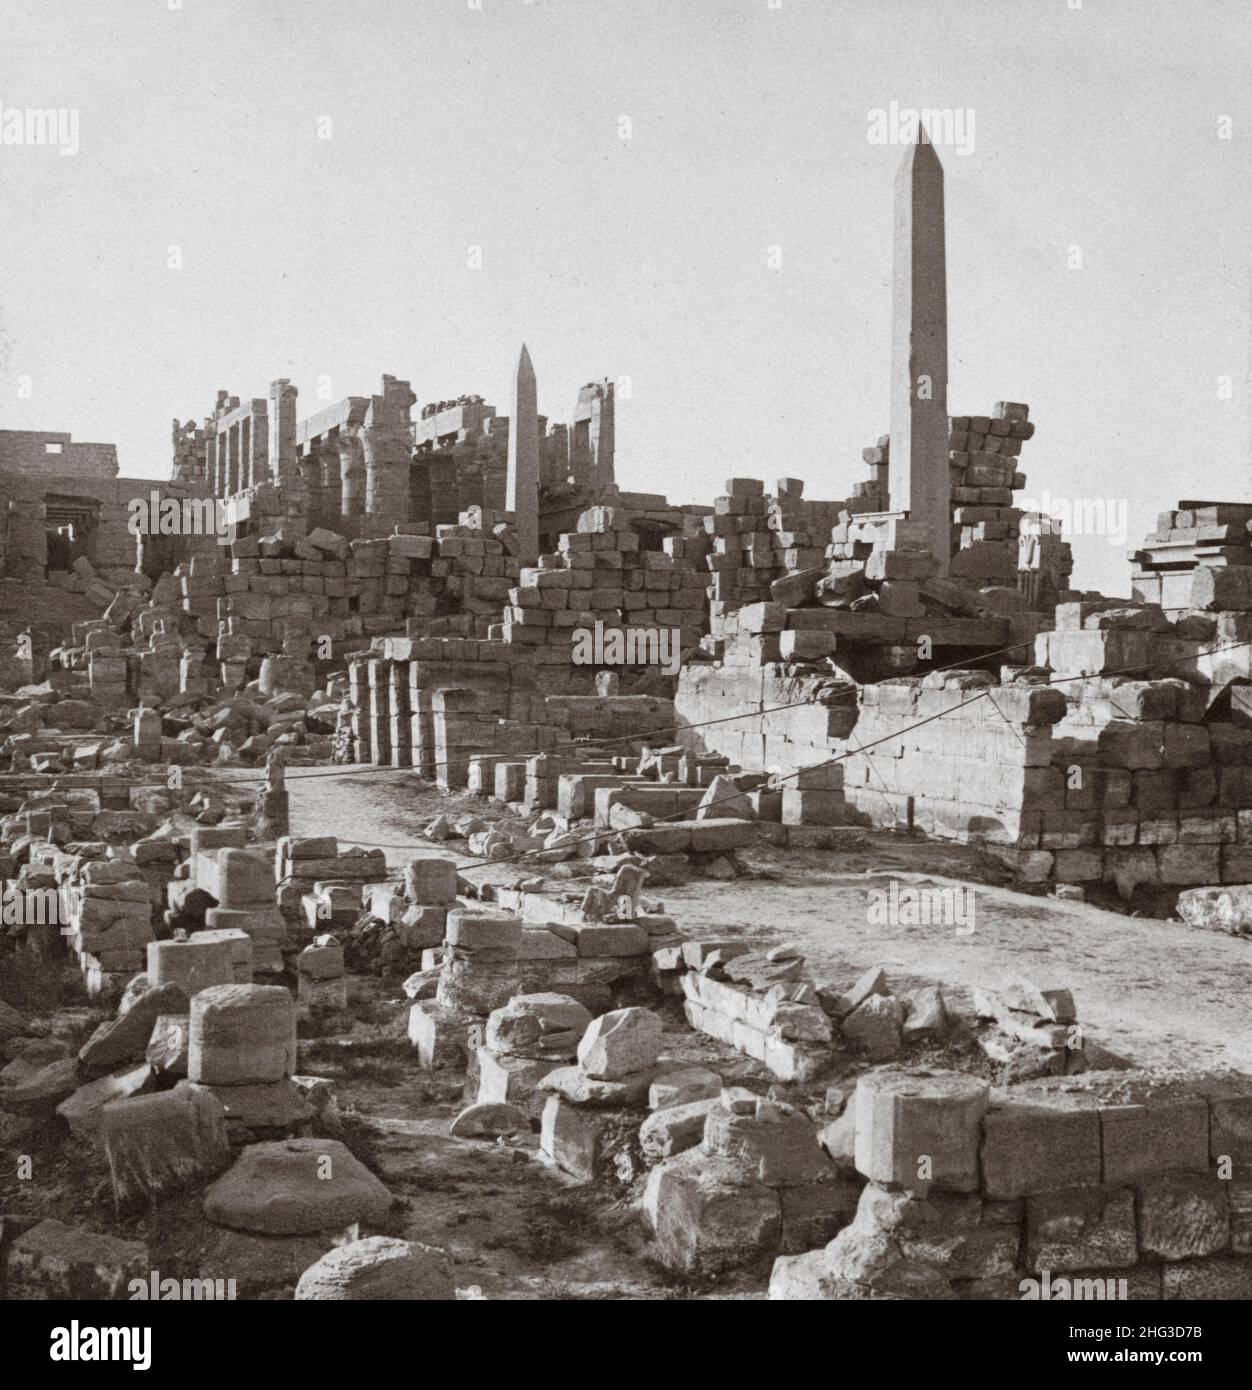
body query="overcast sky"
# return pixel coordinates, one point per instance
(333, 260)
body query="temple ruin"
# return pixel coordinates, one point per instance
(565, 963)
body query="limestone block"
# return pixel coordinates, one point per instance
(620, 1043)
(242, 1034)
(1044, 1144)
(920, 1130)
(708, 1216)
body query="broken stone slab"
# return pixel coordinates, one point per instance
(877, 1027)
(926, 1016)
(296, 1187)
(169, 1044)
(576, 1086)
(1225, 909)
(537, 1026)
(1052, 1003)
(38, 1097)
(1026, 1027)
(709, 1215)
(514, 1081)
(125, 1038)
(162, 1142)
(683, 1087)
(620, 1044)
(807, 1278)
(83, 1111)
(724, 799)
(776, 1144)
(379, 1268)
(265, 1109)
(673, 1129)
(758, 971)
(53, 1261)
(488, 1121)
(572, 1139)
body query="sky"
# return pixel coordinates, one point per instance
(679, 194)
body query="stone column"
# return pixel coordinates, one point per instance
(919, 479)
(422, 728)
(523, 496)
(258, 441)
(380, 710)
(232, 460)
(210, 462)
(282, 431)
(351, 474)
(387, 451)
(401, 715)
(601, 434)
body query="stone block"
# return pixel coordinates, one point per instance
(242, 1034)
(920, 1130)
(1044, 1144)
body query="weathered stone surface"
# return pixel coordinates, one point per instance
(295, 1187)
(1084, 1228)
(572, 1138)
(486, 1121)
(379, 1268)
(1225, 1278)
(683, 1087)
(920, 1130)
(169, 1044)
(83, 1110)
(158, 1143)
(806, 1278)
(674, 1128)
(620, 1044)
(708, 1216)
(1183, 1215)
(575, 1085)
(56, 1261)
(776, 1143)
(1040, 1144)
(876, 1026)
(242, 1034)
(538, 1026)
(125, 1038)
(38, 1096)
(262, 1107)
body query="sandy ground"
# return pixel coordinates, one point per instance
(1158, 992)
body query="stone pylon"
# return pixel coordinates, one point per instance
(919, 351)
(523, 498)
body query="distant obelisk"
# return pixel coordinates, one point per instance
(523, 498)
(919, 350)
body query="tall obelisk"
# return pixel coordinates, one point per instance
(523, 498)
(919, 350)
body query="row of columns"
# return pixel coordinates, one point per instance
(400, 720)
(237, 450)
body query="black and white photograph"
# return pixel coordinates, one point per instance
(625, 666)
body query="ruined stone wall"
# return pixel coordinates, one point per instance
(39, 453)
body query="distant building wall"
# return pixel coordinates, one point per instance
(43, 452)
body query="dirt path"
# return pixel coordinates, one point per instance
(1160, 992)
